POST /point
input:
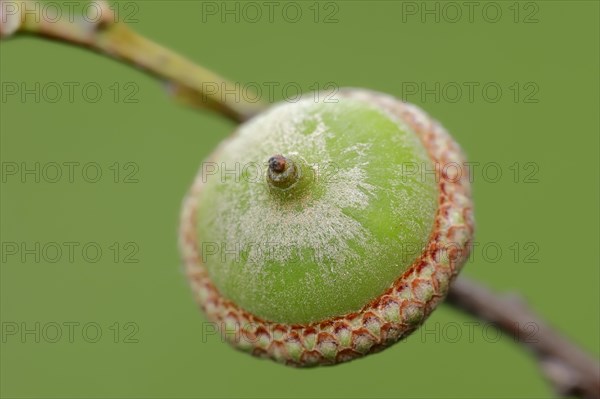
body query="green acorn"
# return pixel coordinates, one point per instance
(322, 231)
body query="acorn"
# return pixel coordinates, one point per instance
(323, 231)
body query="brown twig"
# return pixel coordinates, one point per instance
(571, 371)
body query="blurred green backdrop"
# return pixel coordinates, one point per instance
(540, 132)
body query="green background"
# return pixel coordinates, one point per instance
(369, 46)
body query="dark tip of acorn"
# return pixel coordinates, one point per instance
(277, 163)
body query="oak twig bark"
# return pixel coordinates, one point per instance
(104, 33)
(571, 371)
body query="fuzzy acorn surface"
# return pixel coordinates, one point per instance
(315, 232)
(335, 246)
